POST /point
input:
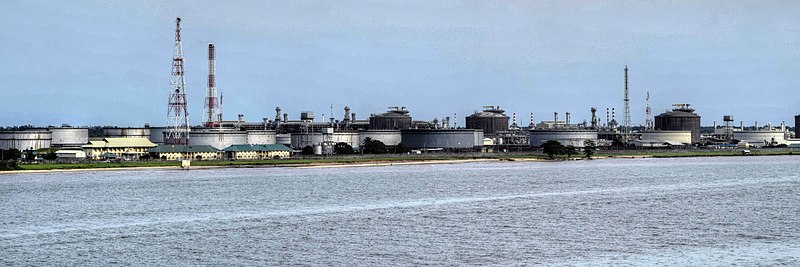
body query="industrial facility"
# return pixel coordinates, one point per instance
(489, 129)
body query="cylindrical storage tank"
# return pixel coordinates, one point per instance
(157, 134)
(797, 126)
(566, 137)
(327, 148)
(442, 138)
(680, 119)
(126, 132)
(394, 119)
(69, 137)
(219, 139)
(301, 140)
(491, 121)
(283, 139)
(261, 137)
(672, 137)
(350, 138)
(318, 149)
(24, 140)
(388, 137)
(760, 138)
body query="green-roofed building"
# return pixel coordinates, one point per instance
(180, 152)
(271, 151)
(127, 148)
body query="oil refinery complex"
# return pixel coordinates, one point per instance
(488, 130)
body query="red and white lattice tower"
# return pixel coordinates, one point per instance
(212, 107)
(177, 113)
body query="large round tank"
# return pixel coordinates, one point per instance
(682, 118)
(672, 137)
(283, 139)
(442, 138)
(301, 140)
(157, 134)
(394, 119)
(567, 137)
(761, 137)
(69, 136)
(261, 137)
(126, 132)
(219, 139)
(491, 120)
(388, 137)
(23, 140)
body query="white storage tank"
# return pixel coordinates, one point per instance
(69, 136)
(567, 137)
(283, 139)
(128, 132)
(157, 134)
(27, 139)
(388, 137)
(218, 139)
(261, 137)
(671, 137)
(443, 138)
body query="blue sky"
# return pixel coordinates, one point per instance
(108, 62)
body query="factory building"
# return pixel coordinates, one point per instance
(681, 118)
(396, 118)
(492, 120)
(127, 148)
(28, 139)
(567, 137)
(65, 137)
(180, 152)
(448, 139)
(273, 151)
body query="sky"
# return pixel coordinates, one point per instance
(109, 62)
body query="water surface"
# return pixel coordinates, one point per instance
(695, 211)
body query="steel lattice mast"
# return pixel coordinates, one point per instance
(177, 112)
(212, 108)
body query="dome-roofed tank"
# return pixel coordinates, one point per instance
(396, 118)
(681, 118)
(491, 120)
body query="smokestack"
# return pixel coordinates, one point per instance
(455, 121)
(555, 119)
(514, 119)
(346, 113)
(756, 125)
(285, 117)
(277, 114)
(567, 122)
(608, 121)
(532, 123)
(741, 125)
(211, 91)
(353, 116)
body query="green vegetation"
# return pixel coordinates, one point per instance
(552, 148)
(404, 158)
(342, 148)
(371, 146)
(588, 148)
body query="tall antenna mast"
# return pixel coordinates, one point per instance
(177, 112)
(212, 107)
(648, 124)
(626, 127)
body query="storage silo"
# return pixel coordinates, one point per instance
(681, 118)
(396, 118)
(69, 136)
(492, 120)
